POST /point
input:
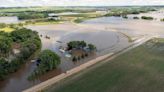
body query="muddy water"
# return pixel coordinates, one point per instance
(104, 32)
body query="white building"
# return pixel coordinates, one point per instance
(53, 16)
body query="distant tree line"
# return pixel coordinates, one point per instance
(26, 16)
(118, 12)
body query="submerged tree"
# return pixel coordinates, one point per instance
(48, 60)
(91, 47)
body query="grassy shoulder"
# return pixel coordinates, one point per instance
(138, 70)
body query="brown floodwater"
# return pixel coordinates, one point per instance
(105, 33)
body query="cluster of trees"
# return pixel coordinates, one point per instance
(80, 45)
(29, 40)
(47, 61)
(23, 34)
(91, 48)
(147, 18)
(125, 11)
(27, 15)
(30, 43)
(76, 45)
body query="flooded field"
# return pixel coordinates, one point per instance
(109, 34)
(9, 20)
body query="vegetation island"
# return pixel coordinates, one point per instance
(78, 50)
(15, 48)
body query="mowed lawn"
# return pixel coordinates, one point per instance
(138, 70)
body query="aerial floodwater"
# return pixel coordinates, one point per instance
(9, 20)
(109, 34)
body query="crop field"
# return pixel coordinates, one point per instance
(138, 70)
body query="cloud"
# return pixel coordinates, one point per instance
(11, 3)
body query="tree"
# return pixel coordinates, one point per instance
(23, 34)
(3, 68)
(48, 60)
(82, 44)
(91, 47)
(76, 44)
(5, 46)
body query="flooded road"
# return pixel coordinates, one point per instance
(107, 33)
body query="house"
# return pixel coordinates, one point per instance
(16, 48)
(53, 16)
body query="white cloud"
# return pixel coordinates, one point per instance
(12, 3)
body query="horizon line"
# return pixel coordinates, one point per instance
(81, 6)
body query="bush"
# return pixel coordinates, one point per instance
(135, 17)
(147, 18)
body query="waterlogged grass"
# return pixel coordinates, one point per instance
(138, 70)
(7, 29)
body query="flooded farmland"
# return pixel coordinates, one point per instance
(109, 34)
(9, 20)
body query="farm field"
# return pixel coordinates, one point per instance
(138, 70)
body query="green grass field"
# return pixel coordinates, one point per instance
(138, 70)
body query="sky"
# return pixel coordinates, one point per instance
(24, 3)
